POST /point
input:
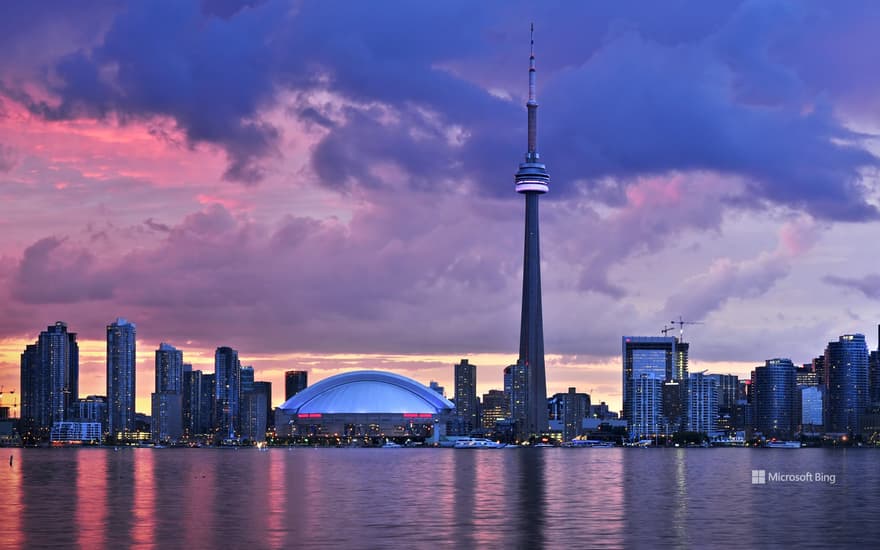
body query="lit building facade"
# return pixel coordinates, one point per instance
(49, 381)
(846, 384)
(776, 411)
(702, 403)
(227, 372)
(121, 378)
(466, 406)
(496, 407)
(295, 381)
(812, 417)
(652, 366)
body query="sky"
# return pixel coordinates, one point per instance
(329, 185)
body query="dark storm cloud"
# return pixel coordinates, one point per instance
(626, 90)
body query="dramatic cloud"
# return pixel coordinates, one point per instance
(727, 279)
(704, 160)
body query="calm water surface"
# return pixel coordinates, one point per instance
(420, 498)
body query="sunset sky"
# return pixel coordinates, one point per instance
(329, 185)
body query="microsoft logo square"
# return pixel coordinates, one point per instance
(759, 477)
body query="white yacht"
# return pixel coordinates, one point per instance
(477, 443)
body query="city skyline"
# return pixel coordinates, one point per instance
(328, 204)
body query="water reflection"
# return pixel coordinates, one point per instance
(355, 498)
(11, 499)
(91, 490)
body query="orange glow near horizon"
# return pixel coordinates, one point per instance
(600, 378)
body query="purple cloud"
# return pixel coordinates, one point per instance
(869, 285)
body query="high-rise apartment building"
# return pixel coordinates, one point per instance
(702, 403)
(49, 381)
(776, 409)
(653, 367)
(295, 381)
(466, 397)
(496, 407)
(167, 401)
(121, 379)
(846, 384)
(227, 372)
(169, 369)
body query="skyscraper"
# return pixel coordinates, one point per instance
(49, 381)
(532, 180)
(167, 401)
(295, 381)
(776, 407)
(652, 366)
(169, 369)
(702, 403)
(496, 407)
(227, 371)
(846, 384)
(466, 396)
(120, 377)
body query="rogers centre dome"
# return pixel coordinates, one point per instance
(365, 404)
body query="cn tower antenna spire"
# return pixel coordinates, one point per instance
(532, 104)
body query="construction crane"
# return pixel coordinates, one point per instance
(681, 323)
(665, 330)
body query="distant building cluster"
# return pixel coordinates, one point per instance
(187, 405)
(835, 396)
(500, 414)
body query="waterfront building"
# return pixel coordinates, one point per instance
(646, 400)
(169, 369)
(812, 398)
(254, 405)
(193, 423)
(776, 408)
(518, 379)
(702, 403)
(532, 180)
(92, 408)
(167, 401)
(728, 395)
(49, 381)
(662, 360)
(496, 407)
(255, 402)
(166, 424)
(76, 432)
(466, 397)
(362, 405)
(571, 408)
(874, 378)
(208, 404)
(295, 381)
(266, 389)
(227, 372)
(121, 378)
(846, 384)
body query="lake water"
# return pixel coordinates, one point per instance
(429, 498)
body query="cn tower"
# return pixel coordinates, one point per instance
(532, 180)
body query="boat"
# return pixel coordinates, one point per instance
(783, 444)
(392, 445)
(588, 444)
(477, 443)
(543, 445)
